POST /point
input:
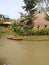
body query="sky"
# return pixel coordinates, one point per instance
(11, 8)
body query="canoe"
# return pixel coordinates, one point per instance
(17, 39)
(14, 38)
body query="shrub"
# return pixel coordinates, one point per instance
(37, 32)
(44, 31)
(20, 31)
(23, 31)
(14, 26)
(1, 31)
(31, 32)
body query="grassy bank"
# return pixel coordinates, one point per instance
(35, 38)
(9, 31)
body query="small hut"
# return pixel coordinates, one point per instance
(6, 18)
(41, 22)
(6, 21)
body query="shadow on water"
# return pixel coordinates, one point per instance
(25, 52)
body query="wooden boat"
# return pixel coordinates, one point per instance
(14, 38)
(17, 39)
(10, 37)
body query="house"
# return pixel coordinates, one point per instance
(40, 21)
(5, 20)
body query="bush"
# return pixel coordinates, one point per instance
(20, 31)
(1, 31)
(37, 32)
(14, 26)
(44, 31)
(26, 31)
(30, 32)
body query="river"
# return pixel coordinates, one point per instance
(25, 52)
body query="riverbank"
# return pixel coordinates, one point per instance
(35, 38)
(24, 52)
(29, 38)
(8, 32)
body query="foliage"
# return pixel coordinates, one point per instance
(36, 38)
(1, 17)
(1, 31)
(22, 28)
(29, 4)
(37, 1)
(16, 29)
(13, 20)
(47, 17)
(44, 31)
(27, 20)
(5, 31)
(22, 15)
(14, 26)
(27, 31)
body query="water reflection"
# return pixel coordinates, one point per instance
(25, 52)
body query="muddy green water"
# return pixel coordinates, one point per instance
(25, 52)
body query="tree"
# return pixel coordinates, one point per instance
(22, 15)
(29, 4)
(1, 18)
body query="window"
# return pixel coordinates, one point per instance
(45, 26)
(38, 26)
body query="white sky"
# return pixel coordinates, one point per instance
(11, 7)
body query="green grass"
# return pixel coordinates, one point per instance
(8, 31)
(35, 38)
(15, 34)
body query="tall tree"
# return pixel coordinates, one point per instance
(30, 9)
(29, 4)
